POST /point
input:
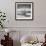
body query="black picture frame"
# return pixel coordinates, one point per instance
(23, 10)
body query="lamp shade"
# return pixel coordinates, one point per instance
(7, 30)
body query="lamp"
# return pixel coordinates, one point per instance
(7, 31)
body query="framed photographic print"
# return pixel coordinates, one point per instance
(23, 10)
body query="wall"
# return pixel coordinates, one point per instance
(39, 13)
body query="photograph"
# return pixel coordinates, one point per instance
(23, 10)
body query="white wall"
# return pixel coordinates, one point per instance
(39, 12)
(39, 16)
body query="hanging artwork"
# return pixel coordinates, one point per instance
(23, 10)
